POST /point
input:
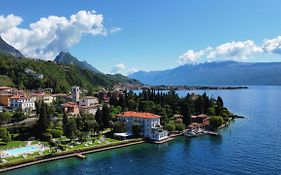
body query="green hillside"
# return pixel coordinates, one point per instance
(59, 77)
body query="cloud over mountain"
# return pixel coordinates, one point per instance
(238, 51)
(118, 68)
(48, 36)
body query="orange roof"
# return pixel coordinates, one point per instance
(138, 114)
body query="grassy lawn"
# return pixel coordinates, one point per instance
(13, 144)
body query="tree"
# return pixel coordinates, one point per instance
(179, 126)
(220, 101)
(186, 114)
(71, 129)
(136, 128)
(106, 117)
(99, 119)
(5, 117)
(64, 122)
(4, 134)
(170, 127)
(43, 121)
(119, 127)
(216, 122)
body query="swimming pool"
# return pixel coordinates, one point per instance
(22, 150)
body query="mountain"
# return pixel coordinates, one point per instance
(67, 58)
(7, 49)
(215, 73)
(60, 77)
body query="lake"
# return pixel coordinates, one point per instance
(247, 146)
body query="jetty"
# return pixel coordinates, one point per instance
(81, 156)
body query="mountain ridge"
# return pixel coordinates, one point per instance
(5, 48)
(215, 73)
(67, 58)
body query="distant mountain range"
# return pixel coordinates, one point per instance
(5, 48)
(215, 73)
(67, 58)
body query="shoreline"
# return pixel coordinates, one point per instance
(69, 154)
(49, 158)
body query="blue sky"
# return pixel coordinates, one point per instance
(158, 34)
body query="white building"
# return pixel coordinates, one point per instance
(88, 101)
(89, 104)
(151, 127)
(23, 102)
(75, 93)
(46, 98)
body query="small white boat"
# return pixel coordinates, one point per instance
(190, 133)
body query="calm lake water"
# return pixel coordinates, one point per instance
(248, 146)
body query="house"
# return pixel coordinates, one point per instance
(199, 122)
(46, 98)
(89, 104)
(23, 102)
(88, 101)
(71, 108)
(5, 89)
(149, 122)
(5, 99)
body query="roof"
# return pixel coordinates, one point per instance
(70, 104)
(19, 97)
(138, 115)
(199, 116)
(89, 97)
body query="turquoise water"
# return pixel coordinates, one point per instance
(22, 150)
(248, 146)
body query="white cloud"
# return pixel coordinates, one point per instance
(115, 30)
(234, 50)
(133, 70)
(118, 68)
(272, 45)
(230, 51)
(9, 22)
(48, 36)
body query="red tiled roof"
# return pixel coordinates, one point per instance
(138, 114)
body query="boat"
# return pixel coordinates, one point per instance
(190, 133)
(212, 133)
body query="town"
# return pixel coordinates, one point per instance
(39, 124)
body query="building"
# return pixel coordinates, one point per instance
(46, 98)
(88, 101)
(22, 102)
(150, 123)
(71, 108)
(89, 104)
(75, 94)
(199, 122)
(5, 99)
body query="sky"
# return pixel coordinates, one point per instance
(126, 36)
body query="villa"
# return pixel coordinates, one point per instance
(46, 98)
(150, 123)
(89, 104)
(71, 108)
(23, 102)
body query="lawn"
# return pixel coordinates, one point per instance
(13, 144)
